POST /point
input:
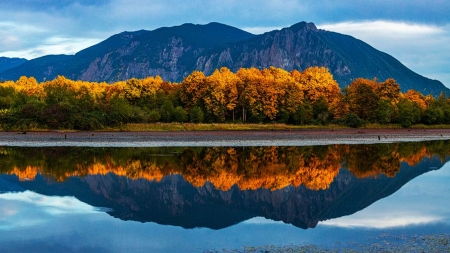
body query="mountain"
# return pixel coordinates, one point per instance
(8, 63)
(174, 52)
(42, 68)
(174, 201)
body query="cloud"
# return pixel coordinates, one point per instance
(53, 46)
(48, 5)
(260, 30)
(421, 47)
(261, 221)
(28, 209)
(56, 204)
(381, 221)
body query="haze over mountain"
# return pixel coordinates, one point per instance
(174, 52)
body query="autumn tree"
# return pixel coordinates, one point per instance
(249, 95)
(192, 89)
(363, 98)
(317, 82)
(30, 86)
(389, 90)
(220, 93)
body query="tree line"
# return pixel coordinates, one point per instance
(311, 96)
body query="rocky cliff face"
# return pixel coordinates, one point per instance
(297, 47)
(173, 53)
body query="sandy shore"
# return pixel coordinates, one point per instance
(221, 138)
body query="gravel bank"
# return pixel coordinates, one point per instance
(221, 138)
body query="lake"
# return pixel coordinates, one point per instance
(216, 199)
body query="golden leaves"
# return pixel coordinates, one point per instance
(249, 168)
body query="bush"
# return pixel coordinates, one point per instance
(166, 111)
(196, 115)
(179, 114)
(153, 116)
(352, 120)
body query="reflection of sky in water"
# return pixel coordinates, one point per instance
(423, 200)
(29, 209)
(38, 223)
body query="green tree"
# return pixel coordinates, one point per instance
(385, 111)
(179, 114)
(196, 115)
(408, 113)
(166, 111)
(304, 114)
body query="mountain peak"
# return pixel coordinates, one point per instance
(304, 26)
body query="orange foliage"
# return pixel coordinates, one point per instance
(28, 173)
(416, 97)
(317, 82)
(251, 168)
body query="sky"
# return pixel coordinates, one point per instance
(416, 32)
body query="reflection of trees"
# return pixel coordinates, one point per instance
(371, 160)
(247, 167)
(261, 167)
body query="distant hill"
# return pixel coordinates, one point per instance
(174, 52)
(8, 63)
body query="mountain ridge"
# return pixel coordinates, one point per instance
(175, 52)
(8, 63)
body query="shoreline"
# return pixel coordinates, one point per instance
(297, 137)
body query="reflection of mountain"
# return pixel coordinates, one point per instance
(174, 201)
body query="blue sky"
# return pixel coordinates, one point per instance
(416, 32)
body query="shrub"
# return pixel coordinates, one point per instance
(196, 115)
(352, 120)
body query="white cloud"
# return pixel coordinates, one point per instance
(420, 47)
(384, 28)
(260, 30)
(261, 221)
(53, 46)
(28, 209)
(50, 204)
(380, 221)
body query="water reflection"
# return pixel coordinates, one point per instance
(220, 187)
(249, 168)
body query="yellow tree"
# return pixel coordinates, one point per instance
(220, 93)
(289, 92)
(389, 90)
(249, 94)
(59, 90)
(270, 89)
(192, 89)
(30, 86)
(115, 90)
(317, 82)
(133, 90)
(151, 85)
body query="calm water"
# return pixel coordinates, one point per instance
(198, 199)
